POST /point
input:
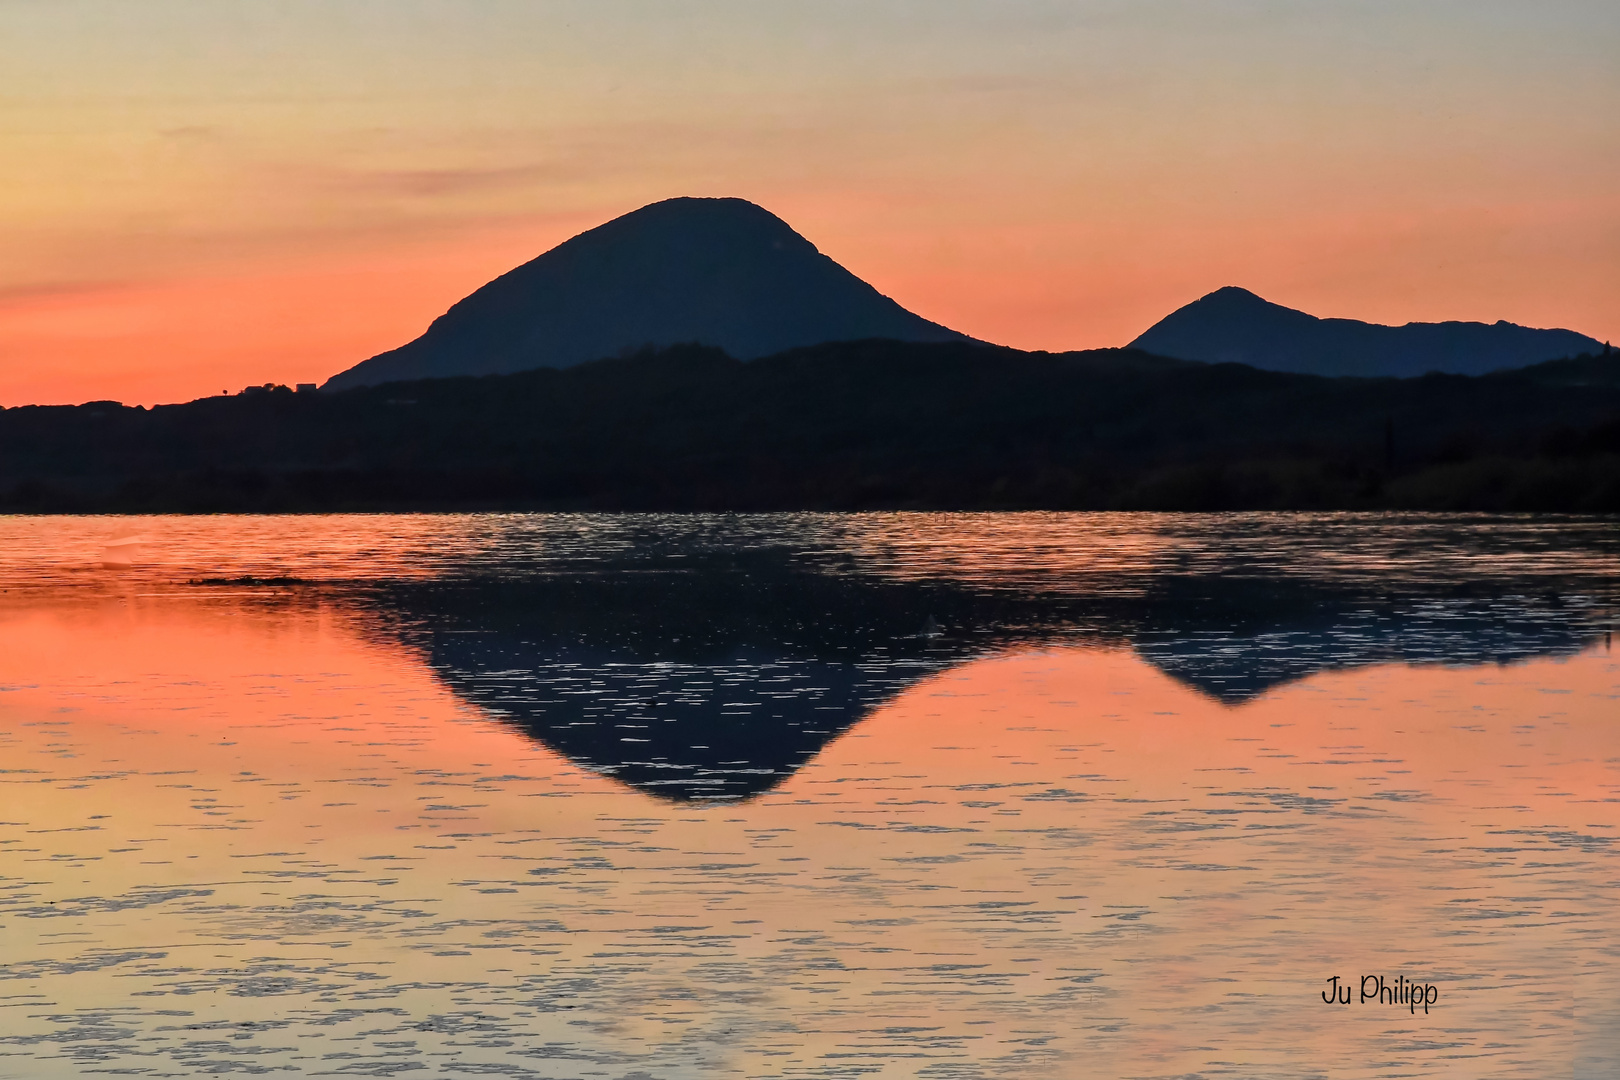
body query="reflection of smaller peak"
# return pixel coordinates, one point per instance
(1239, 666)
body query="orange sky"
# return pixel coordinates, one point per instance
(195, 197)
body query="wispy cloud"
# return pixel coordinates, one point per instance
(43, 290)
(451, 181)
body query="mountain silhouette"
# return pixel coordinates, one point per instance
(1233, 325)
(721, 272)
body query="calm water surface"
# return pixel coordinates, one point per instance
(946, 796)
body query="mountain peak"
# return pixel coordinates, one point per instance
(717, 271)
(690, 218)
(1234, 325)
(1233, 293)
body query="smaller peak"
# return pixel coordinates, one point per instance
(1231, 302)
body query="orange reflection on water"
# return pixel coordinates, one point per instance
(1043, 863)
(1538, 733)
(257, 723)
(1383, 820)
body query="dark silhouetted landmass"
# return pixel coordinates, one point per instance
(729, 274)
(1235, 326)
(702, 671)
(877, 424)
(719, 272)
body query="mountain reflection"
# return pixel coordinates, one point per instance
(1236, 667)
(715, 674)
(715, 680)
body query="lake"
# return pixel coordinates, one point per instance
(650, 797)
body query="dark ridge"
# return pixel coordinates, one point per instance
(720, 272)
(1233, 325)
(856, 425)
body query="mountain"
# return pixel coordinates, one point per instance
(721, 272)
(1233, 325)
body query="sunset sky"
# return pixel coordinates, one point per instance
(197, 195)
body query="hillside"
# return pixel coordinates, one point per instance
(875, 424)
